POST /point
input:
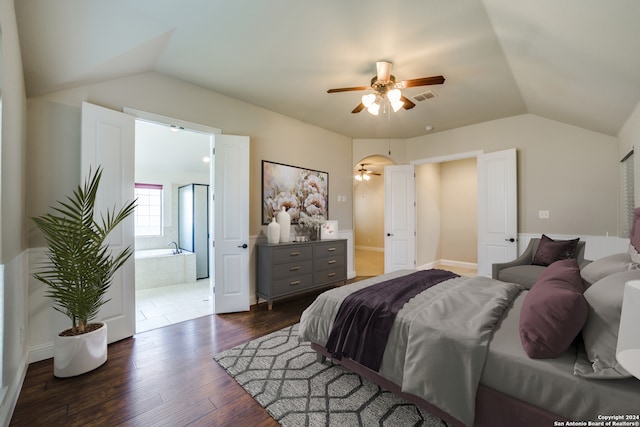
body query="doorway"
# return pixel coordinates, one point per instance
(447, 212)
(368, 205)
(170, 287)
(446, 215)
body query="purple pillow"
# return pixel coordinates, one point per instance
(554, 311)
(550, 251)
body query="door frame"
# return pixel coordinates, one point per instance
(194, 127)
(453, 157)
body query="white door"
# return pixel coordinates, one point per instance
(497, 209)
(399, 218)
(230, 180)
(108, 140)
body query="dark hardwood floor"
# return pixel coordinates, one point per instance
(163, 377)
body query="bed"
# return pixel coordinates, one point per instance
(469, 366)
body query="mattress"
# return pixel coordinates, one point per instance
(550, 383)
(545, 383)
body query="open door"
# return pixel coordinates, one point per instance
(108, 140)
(399, 218)
(497, 209)
(230, 201)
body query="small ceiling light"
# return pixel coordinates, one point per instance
(174, 128)
(374, 108)
(429, 128)
(206, 159)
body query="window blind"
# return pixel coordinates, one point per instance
(627, 202)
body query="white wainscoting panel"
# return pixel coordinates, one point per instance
(595, 246)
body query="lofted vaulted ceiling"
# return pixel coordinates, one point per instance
(575, 61)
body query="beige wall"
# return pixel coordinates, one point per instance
(569, 171)
(447, 212)
(428, 214)
(13, 218)
(459, 200)
(54, 138)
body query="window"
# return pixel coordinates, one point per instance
(148, 212)
(627, 202)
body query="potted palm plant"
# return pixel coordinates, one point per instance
(78, 271)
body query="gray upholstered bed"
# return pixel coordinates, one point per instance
(512, 388)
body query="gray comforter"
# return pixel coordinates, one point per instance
(438, 343)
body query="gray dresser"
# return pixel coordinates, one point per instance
(292, 268)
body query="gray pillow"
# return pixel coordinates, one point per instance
(600, 332)
(604, 267)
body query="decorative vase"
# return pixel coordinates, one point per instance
(313, 234)
(75, 355)
(273, 232)
(284, 220)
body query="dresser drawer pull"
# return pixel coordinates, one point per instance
(333, 261)
(296, 268)
(331, 274)
(294, 253)
(331, 249)
(297, 282)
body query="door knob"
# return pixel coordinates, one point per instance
(389, 234)
(244, 246)
(511, 239)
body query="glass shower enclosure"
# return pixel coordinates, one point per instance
(193, 219)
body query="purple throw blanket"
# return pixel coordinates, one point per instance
(363, 322)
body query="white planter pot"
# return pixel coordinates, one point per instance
(78, 354)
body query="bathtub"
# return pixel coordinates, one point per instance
(160, 267)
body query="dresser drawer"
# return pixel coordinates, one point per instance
(328, 263)
(336, 248)
(292, 269)
(292, 253)
(291, 285)
(329, 276)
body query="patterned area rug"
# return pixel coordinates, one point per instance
(283, 375)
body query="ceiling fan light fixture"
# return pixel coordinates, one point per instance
(396, 104)
(374, 108)
(394, 95)
(368, 99)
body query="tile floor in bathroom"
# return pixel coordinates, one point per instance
(166, 305)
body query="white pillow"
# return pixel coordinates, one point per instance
(604, 267)
(600, 332)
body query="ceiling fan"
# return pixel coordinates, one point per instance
(387, 90)
(364, 174)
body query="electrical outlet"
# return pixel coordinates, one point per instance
(543, 214)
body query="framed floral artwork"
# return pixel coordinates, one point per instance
(297, 189)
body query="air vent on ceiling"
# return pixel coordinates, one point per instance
(424, 96)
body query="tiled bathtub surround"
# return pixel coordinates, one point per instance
(160, 267)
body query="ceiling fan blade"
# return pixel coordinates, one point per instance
(424, 81)
(408, 104)
(348, 89)
(359, 108)
(373, 173)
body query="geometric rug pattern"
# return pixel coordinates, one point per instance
(283, 375)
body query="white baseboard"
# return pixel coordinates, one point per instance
(9, 395)
(447, 262)
(370, 248)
